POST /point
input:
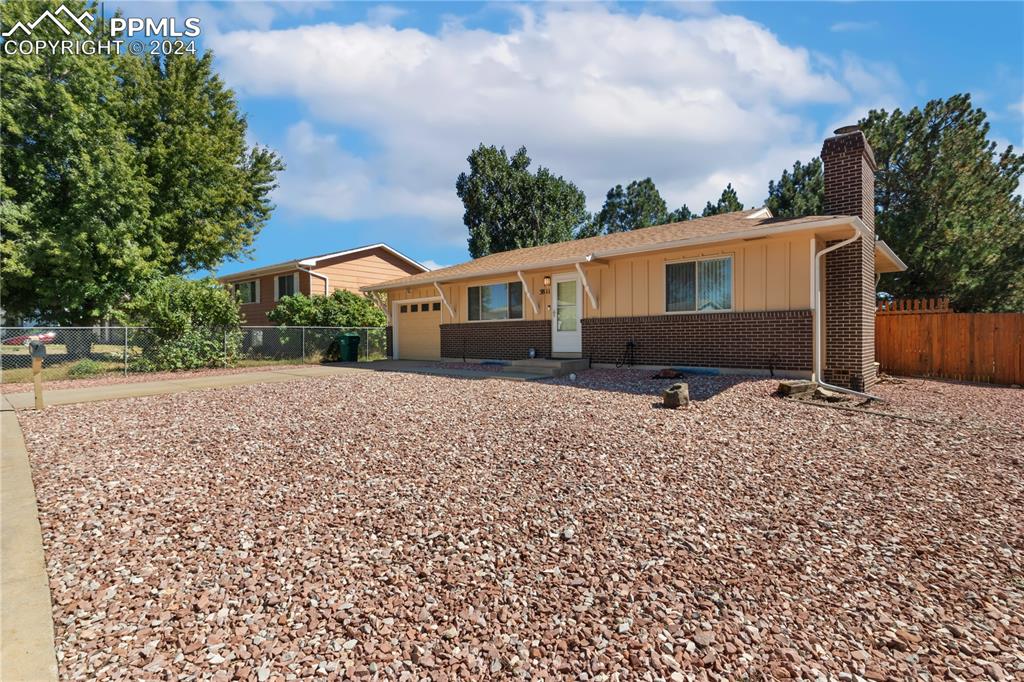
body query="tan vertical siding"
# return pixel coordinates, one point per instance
(768, 274)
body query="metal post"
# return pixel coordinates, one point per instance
(125, 350)
(225, 347)
(303, 345)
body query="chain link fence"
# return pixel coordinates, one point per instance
(88, 352)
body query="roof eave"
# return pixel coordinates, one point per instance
(837, 221)
(309, 262)
(259, 272)
(886, 250)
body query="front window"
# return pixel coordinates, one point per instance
(285, 285)
(496, 302)
(699, 285)
(246, 292)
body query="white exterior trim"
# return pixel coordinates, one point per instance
(526, 290)
(316, 259)
(295, 285)
(575, 337)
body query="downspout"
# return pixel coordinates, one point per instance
(819, 318)
(327, 289)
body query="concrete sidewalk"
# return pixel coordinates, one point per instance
(26, 639)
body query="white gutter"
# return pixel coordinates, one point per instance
(327, 284)
(819, 318)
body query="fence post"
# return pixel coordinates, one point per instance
(225, 347)
(126, 350)
(303, 345)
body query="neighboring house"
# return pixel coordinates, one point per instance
(259, 289)
(738, 291)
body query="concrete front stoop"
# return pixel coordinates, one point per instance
(553, 367)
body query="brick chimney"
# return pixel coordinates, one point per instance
(850, 271)
(850, 175)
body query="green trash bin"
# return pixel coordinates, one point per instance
(348, 347)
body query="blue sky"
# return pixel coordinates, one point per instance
(374, 107)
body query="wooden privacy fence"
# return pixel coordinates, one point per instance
(925, 338)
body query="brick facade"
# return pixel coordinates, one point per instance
(850, 316)
(779, 340)
(505, 340)
(850, 272)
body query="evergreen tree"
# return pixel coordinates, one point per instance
(947, 204)
(798, 193)
(680, 214)
(508, 207)
(727, 203)
(638, 205)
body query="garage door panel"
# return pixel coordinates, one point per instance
(419, 330)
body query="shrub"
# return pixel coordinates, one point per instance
(190, 324)
(86, 368)
(340, 309)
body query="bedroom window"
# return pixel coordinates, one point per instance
(496, 302)
(703, 286)
(247, 292)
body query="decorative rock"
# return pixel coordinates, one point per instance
(796, 388)
(427, 534)
(677, 395)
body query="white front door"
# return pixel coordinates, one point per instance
(566, 309)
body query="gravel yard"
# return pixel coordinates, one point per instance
(418, 526)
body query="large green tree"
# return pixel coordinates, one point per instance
(798, 193)
(117, 169)
(727, 203)
(508, 207)
(947, 203)
(638, 205)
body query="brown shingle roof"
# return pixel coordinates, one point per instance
(725, 225)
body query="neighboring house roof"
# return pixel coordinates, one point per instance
(724, 227)
(312, 261)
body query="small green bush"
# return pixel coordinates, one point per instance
(190, 324)
(86, 368)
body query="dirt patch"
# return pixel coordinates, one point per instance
(110, 380)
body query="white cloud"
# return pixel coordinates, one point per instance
(432, 264)
(598, 96)
(379, 15)
(851, 26)
(869, 78)
(333, 183)
(1017, 106)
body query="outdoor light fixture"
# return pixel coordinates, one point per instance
(547, 281)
